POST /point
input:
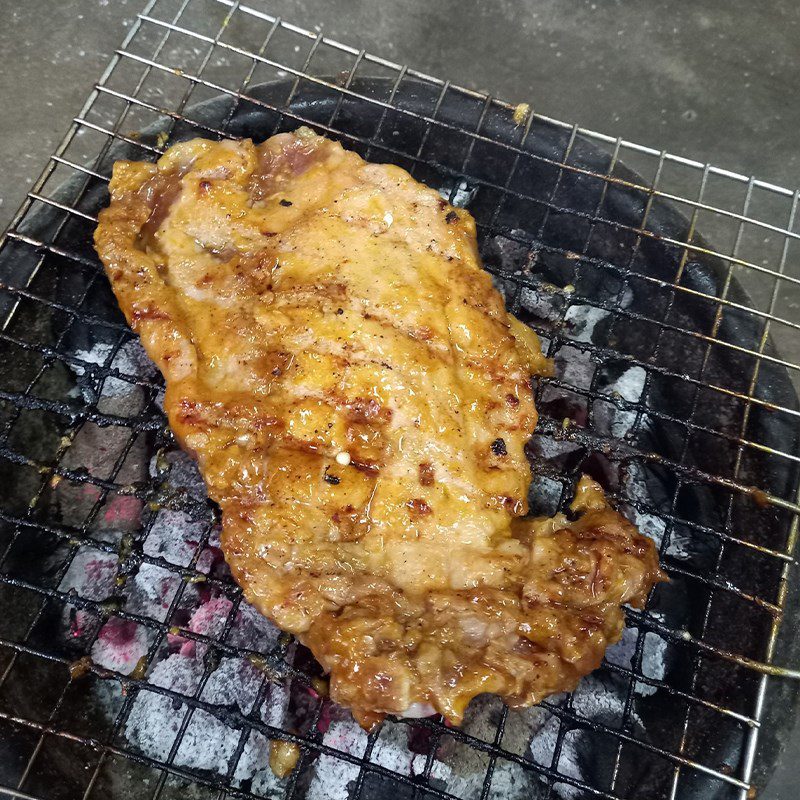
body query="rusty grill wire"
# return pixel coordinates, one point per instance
(178, 54)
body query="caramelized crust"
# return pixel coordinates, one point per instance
(358, 400)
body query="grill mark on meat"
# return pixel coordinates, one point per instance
(367, 409)
(364, 465)
(147, 312)
(349, 357)
(197, 413)
(419, 507)
(426, 474)
(308, 297)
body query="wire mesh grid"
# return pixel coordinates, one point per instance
(129, 663)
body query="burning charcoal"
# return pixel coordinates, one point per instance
(151, 591)
(92, 574)
(253, 768)
(234, 682)
(628, 385)
(543, 743)
(601, 697)
(638, 488)
(210, 618)
(173, 537)
(120, 645)
(121, 513)
(207, 743)
(582, 322)
(182, 474)
(509, 255)
(575, 367)
(153, 724)
(544, 496)
(332, 775)
(178, 673)
(542, 305)
(252, 630)
(392, 751)
(459, 194)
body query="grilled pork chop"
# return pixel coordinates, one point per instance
(358, 400)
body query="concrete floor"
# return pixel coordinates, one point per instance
(714, 80)
(698, 79)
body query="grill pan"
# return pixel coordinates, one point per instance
(669, 390)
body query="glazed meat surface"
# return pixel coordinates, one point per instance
(358, 400)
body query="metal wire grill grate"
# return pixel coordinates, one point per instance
(129, 664)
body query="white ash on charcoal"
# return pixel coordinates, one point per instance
(582, 322)
(129, 361)
(638, 489)
(609, 418)
(458, 194)
(546, 306)
(208, 743)
(120, 645)
(184, 476)
(544, 496)
(174, 536)
(333, 776)
(91, 574)
(150, 592)
(575, 367)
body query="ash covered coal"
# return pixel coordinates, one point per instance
(170, 540)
